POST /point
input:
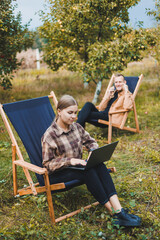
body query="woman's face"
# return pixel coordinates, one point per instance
(68, 115)
(119, 83)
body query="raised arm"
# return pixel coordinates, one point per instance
(108, 95)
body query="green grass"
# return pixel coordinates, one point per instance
(137, 159)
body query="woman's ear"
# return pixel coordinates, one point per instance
(58, 111)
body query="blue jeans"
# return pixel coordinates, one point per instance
(89, 113)
(97, 180)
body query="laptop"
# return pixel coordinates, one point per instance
(97, 156)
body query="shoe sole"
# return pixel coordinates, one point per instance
(123, 223)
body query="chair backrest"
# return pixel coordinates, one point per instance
(30, 119)
(132, 83)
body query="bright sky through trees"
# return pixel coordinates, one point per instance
(29, 9)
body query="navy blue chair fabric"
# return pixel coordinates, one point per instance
(132, 83)
(30, 119)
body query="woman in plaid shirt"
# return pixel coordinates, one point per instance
(62, 146)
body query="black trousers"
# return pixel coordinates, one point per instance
(97, 180)
(89, 113)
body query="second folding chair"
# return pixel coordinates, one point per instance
(133, 86)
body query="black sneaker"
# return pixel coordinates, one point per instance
(132, 215)
(124, 219)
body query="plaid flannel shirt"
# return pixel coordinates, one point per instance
(59, 147)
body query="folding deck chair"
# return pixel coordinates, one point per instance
(30, 119)
(133, 86)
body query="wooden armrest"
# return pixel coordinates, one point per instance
(30, 166)
(119, 111)
(113, 169)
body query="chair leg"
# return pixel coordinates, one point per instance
(15, 189)
(76, 212)
(110, 129)
(49, 198)
(124, 120)
(135, 117)
(112, 169)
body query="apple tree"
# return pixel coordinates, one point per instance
(90, 36)
(13, 38)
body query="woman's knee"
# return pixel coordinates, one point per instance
(88, 105)
(102, 166)
(91, 174)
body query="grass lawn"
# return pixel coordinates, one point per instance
(137, 160)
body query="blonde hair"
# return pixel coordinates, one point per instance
(64, 102)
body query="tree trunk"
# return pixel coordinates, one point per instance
(37, 58)
(85, 84)
(97, 92)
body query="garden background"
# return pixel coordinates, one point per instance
(136, 157)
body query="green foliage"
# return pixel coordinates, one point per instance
(13, 38)
(156, 12)
(3, 145)
(91, 37)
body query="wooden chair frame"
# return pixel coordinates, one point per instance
(125, 111)
(35, 188)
